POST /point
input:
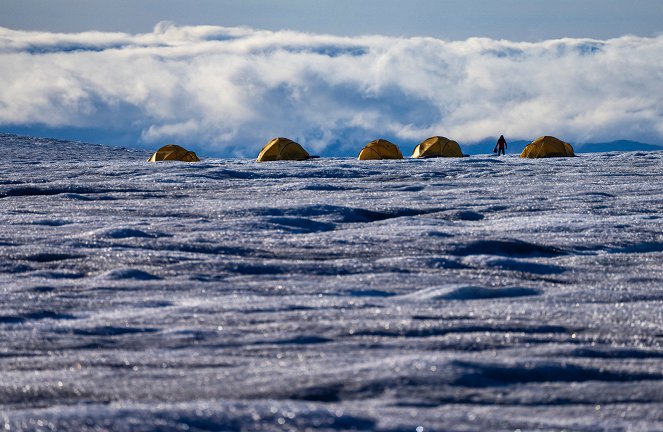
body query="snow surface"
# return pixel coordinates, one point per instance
(468, 294)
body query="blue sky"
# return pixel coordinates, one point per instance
(223, 77)
(530, 20)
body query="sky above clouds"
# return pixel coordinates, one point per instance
(109, 75)
(521, 20)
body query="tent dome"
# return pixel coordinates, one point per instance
(547, 146)
(282, 149)
(172, 152)
(380, 149)
(437, 146)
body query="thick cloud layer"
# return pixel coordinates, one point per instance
(227, 91)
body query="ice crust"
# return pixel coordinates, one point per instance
(467, 294)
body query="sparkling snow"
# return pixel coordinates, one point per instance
(480, 293)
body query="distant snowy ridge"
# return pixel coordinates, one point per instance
(620, 145)
(227, 91)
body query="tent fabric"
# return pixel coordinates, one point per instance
(547, 146)
(380, 149)
(282, 149)
(172, 152)
(437, 146)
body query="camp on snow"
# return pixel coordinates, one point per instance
(282, 149)
(172, 152)
(380, 149)
(437, 146)
(547, 146)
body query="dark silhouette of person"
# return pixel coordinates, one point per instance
(500, 147)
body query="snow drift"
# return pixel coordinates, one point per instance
(476, 293)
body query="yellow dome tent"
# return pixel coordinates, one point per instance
(380, 149)
(437, 146)
(282, 149)
(172, 152)
(547, 146)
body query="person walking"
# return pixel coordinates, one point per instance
(500, 147)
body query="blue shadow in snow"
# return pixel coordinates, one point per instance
(527, 267)
(479, 293)
(113, 331)
(481, 375)
(516, 248)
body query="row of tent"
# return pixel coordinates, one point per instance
(281, 148)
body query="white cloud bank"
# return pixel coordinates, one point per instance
(229, 90)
